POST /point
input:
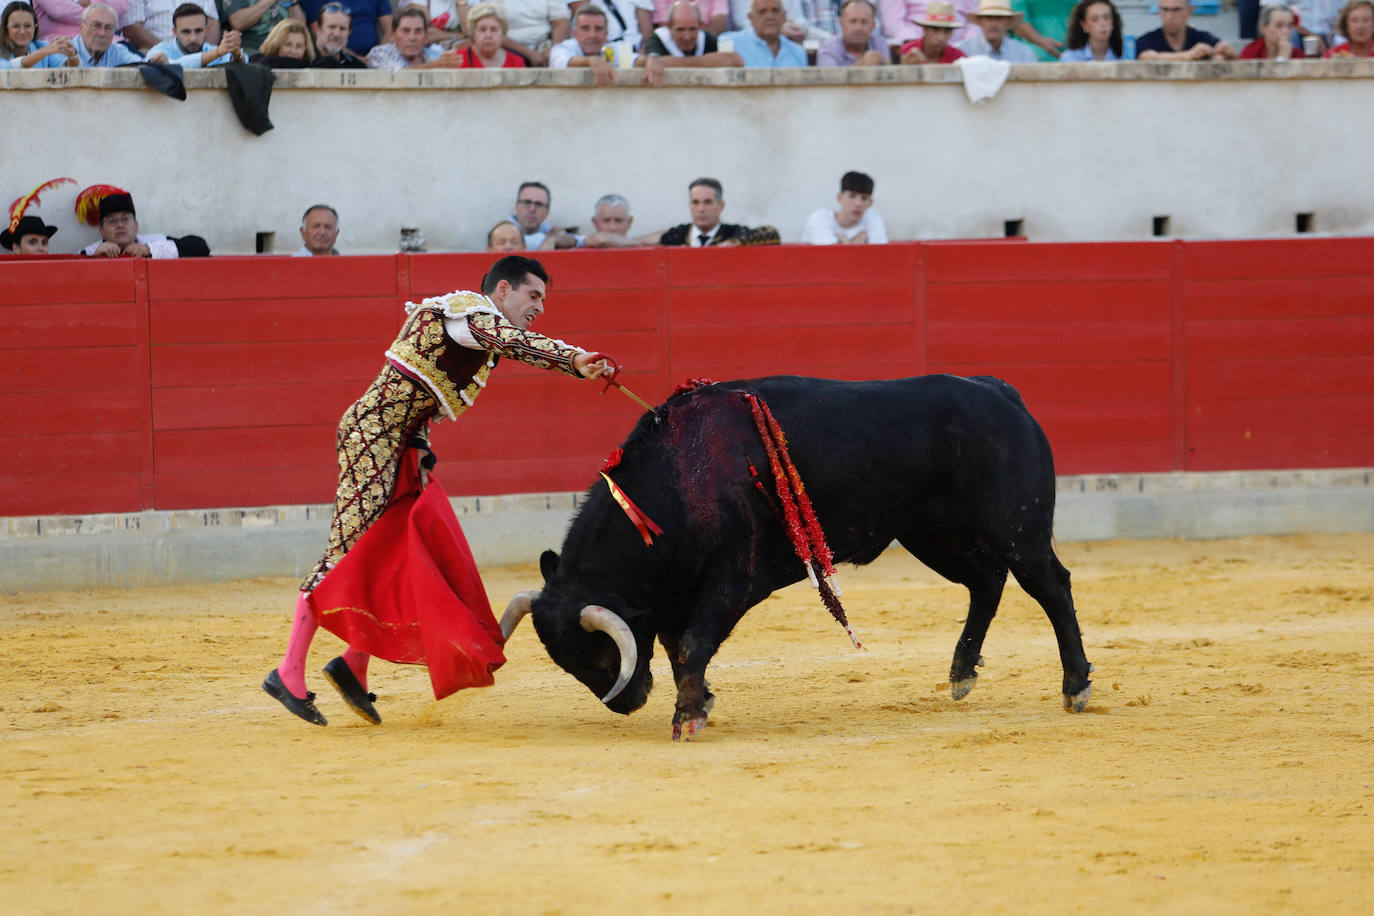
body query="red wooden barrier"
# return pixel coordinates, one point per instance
(211, 383)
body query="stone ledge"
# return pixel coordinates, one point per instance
(722, 78)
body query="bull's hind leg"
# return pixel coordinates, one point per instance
(959, 558)
(1047, 581)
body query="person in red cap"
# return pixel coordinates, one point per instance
(414, 595)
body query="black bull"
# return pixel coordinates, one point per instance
(955, 470)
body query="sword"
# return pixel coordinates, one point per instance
(613, 381)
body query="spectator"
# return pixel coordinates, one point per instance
(682, 43)
(587, 47)
(1317, 17)
(994, 20)
(933, 47)
(1094, 32)
(505, 236)
(319, 232)
(488, 27)
(445, 20)
(331, 29)
(153, 22)
(1275, 41)
(535, 26)
(64, 17)
(628, 21)
(856, 45)
(20, 46)
(256, 19)
(1043, 25)
(714, 14)
(95, 46)
(854, 223)
(1356, 23)
(407, 49)
(763, 44)
(370, 21)
(802, 19)
(901, 19)
(119, 235)
(707, 200)
(27, 235)
(611, 220)
(532, 201)
(188, 48)
(1177, 40)
(286, 47)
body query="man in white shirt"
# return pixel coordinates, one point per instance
(628, 21)
(188, 47)
(319, 232)
(119, 235)
(152, 22)
(854, 223)
(995, 18)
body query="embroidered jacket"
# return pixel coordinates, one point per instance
(455, 374)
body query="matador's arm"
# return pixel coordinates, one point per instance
(493, 332)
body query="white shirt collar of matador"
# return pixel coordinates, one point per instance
(473, 321)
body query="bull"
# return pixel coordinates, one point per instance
(955, 470)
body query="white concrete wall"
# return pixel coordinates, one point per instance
(1078, 152)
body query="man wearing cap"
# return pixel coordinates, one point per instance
(119, 235)
(1177, 40)
(933, 46)
(995, 20)
(856, 45)
(27, 236)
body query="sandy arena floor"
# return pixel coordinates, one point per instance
(1224, 765)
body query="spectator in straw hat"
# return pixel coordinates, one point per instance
(995, 20)
(900, 19)
(933, 47)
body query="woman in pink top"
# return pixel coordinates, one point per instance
(63, 17)
(1356, 23)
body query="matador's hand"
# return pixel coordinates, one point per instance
(593, 365)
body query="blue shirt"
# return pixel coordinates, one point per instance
(52, 60)
(116, 55)
(187, 61)
(362, 36)
(756, 52)
(1084, 53)
(1013, 51)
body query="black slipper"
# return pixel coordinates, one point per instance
(359, 700)
(303, 708)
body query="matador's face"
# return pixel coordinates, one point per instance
(520, 304)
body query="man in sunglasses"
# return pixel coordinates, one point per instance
(331, 29)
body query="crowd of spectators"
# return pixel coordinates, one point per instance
(604, 35)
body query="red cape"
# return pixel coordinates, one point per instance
(409, 592)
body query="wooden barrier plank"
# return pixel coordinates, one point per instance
(1092, 421)
(86, 493)
(1324, 449)
(788, 266)
(181, 450)
(247, 487)
(1269, 416)
(435, 274)
(1279, 297)
(1239, 379)
(1030, 342)
(105, 324)
(1274, 258)
(578, 315)
(227, 279)
(514, 437)
(1050, 301)
(1279, 338)
(1040, 383)
(59, 370)
(267, 363)
(1142, 457)
(320, 403)
(802, 350)
(102, 454)
(179, 321)
(819, 304)
(41, 413)
(68, 281)
(996, 261)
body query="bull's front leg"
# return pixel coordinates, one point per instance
(672, 644)
(690, 655)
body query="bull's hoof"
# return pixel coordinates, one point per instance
(688, 729)
(1077, 702)
(961, 689)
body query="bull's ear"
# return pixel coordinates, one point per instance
(548, 565)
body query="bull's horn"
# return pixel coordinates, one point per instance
(519, 606)
(595, 618)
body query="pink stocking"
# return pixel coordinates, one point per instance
(357, 663)
(292, 667)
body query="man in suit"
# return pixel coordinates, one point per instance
(707, 200)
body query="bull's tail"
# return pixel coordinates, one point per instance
(1003, 388)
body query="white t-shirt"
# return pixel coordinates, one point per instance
(823, 229)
